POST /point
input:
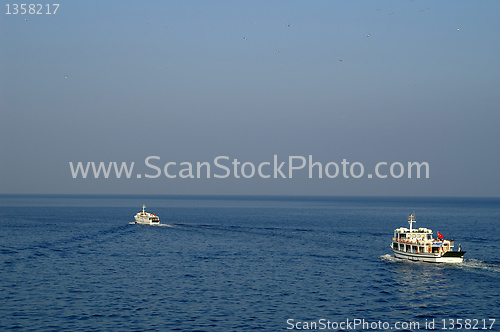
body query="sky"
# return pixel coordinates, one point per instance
(187, 81)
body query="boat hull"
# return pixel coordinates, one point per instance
(146, 221)
(449, 257)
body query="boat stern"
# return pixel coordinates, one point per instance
(452, 257)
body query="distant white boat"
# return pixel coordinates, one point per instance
(419, 245)
(146, 218)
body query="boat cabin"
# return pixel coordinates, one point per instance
(419, 240)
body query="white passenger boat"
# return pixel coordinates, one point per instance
(146, 218)
(420, 245)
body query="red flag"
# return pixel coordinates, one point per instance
(440, 235)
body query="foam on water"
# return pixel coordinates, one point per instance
(155, 225)
(476, 264)
(389, 258)
(468, 264)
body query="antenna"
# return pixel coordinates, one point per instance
(411, 220)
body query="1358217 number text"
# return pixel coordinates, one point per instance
(31, 9)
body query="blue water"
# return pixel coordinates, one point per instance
(238, 264)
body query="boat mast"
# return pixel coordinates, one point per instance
(143, 207)
(411, 220)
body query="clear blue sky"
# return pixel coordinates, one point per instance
(368, 81)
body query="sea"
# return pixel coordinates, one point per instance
(243, 263)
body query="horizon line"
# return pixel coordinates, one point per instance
(209, 196)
